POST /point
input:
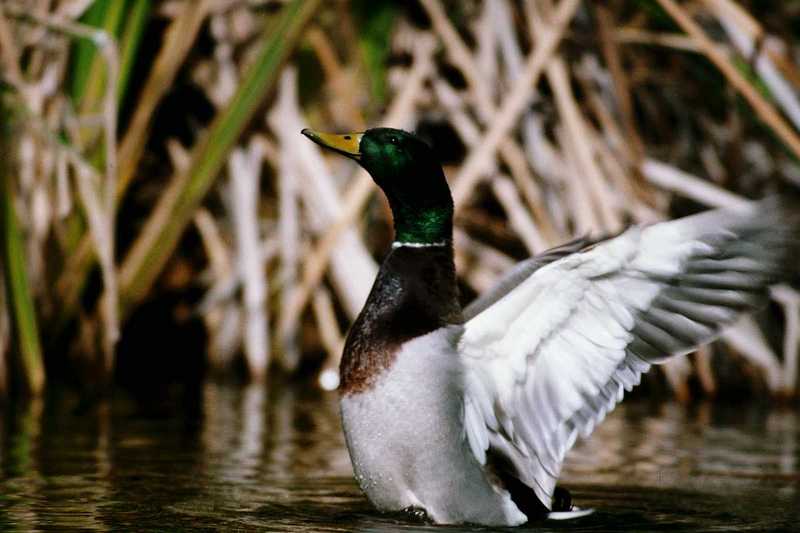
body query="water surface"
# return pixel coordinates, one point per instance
(252, 459)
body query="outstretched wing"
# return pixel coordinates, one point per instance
(521, 272)
(549, 359)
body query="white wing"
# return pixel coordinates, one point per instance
(548, 360)
(520, 272)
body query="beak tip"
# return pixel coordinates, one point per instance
(306, 132)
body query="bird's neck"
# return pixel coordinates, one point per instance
(422, 207)
(422, 226)
(419, 273)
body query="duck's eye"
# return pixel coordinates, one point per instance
(393, 140)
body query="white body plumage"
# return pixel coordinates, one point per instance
(407, 443)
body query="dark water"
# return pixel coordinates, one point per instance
(247, 459)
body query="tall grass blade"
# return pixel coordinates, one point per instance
(178, 40)
(18, 291)
(88, 90)
(177, 205)
(130, 37)
(83, 53)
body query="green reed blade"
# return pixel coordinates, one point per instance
(179, 38)
(18, 291)
(89, 76)
(131, 34)
(179, 202)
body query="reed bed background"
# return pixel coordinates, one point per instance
(163, 219)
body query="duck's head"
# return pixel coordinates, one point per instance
(405, 167)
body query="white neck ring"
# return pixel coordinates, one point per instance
(401, 244)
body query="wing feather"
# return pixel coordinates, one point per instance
(552, 350)
(521, 272)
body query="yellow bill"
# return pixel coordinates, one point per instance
(346, 143)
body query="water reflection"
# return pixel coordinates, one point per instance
(273, 459)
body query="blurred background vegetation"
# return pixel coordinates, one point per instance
(163, 221)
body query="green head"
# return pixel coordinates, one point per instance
(406, 169)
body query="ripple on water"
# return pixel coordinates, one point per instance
(274, 460)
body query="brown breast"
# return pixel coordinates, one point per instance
(415, 293)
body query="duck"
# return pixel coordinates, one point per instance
(465, 414)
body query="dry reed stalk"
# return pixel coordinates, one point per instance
(613, 167)
(762, 108)
(331, 338)
(87, 192)
(343, 84)
(576, 197)
(479, 264)
(219, 259)
(73, 9)
(97, 197)
(507, 40)
(470, 135)
(165, 225)
(789, 299)
(612, 154)
(179, 156)
(746, 338)
(461, 57)
(289, 238)
(63, 195)
(29, 98)
(576, 139)
(244, 173)
(668, 40)
(225, 333)
(221, 77)
(351, 263)
(9, 54)
(594, 182)
(178, 39)
(753, 43)
(485, 57)
(712, 164)
(400, 114)
(481, 95)
(705, 374)
(541, 155)
(546, 235)
(351, 266)
(677, 371)
(672, 179)
(270, 150)
(221, 313)
(513, 155)
(106, 245)
(514, 104)
(606, 25)
(518, 217)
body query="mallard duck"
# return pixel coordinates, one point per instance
(466, 414)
